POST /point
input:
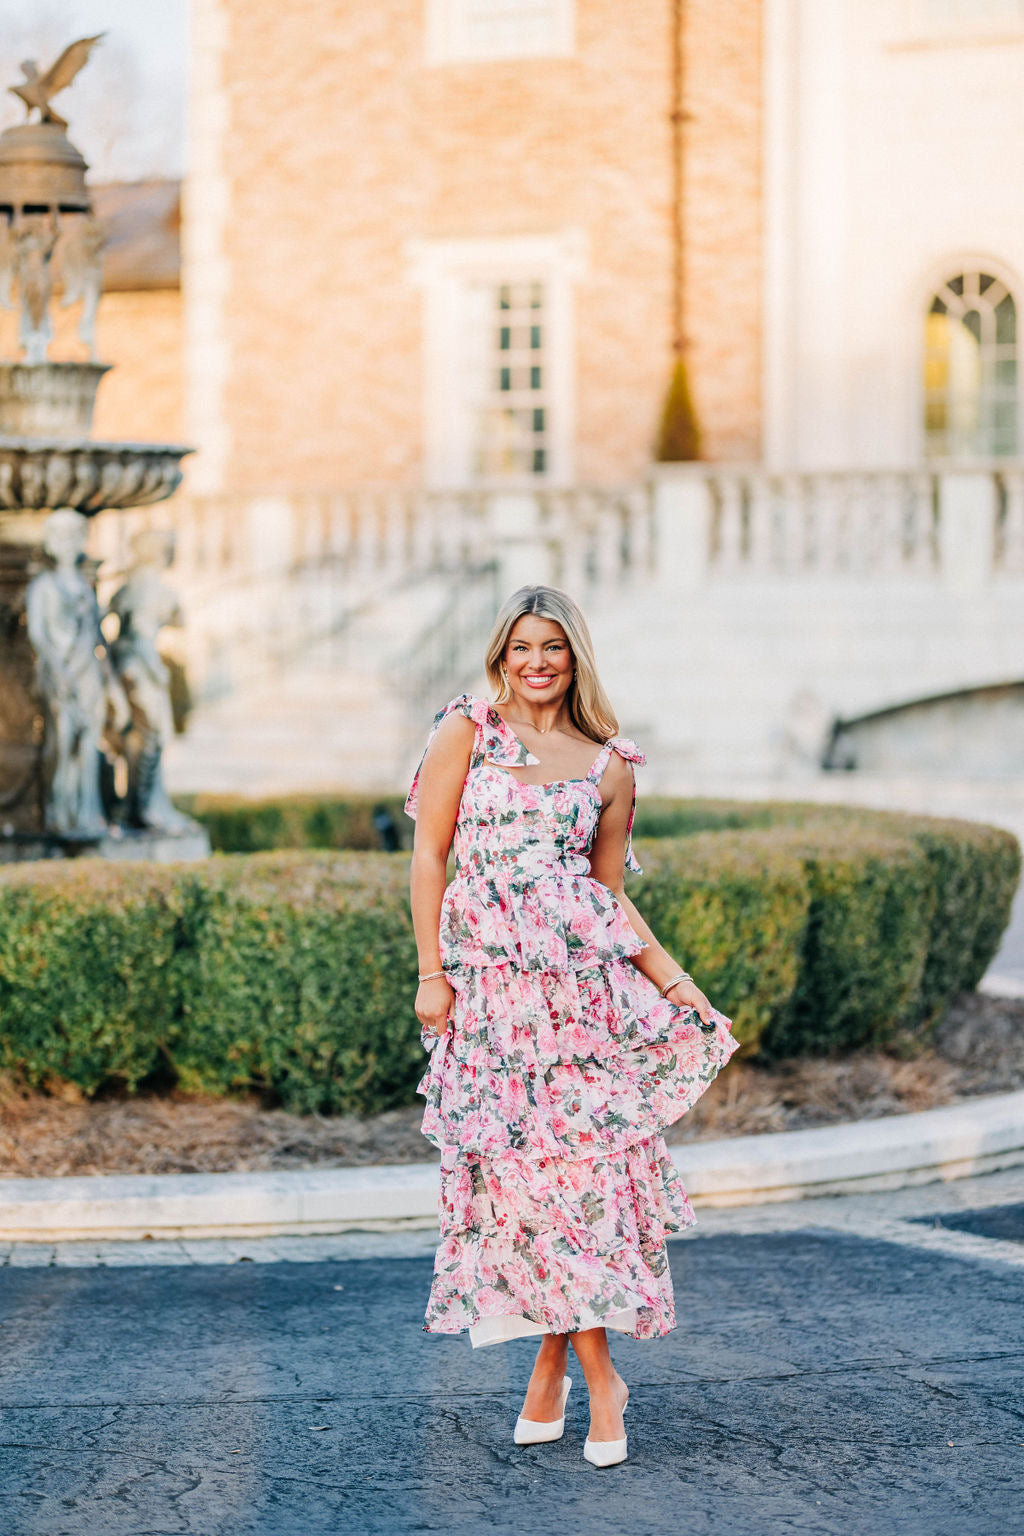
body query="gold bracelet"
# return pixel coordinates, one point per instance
(683, 976)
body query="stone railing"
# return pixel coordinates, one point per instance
(958, 525)
(264, 577)
(1008, 541)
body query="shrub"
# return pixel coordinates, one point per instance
(975, 870)
(87, 970)
(733, 908)
(865, 942)
(662, 816)
(297, 977)
(679, 436)
(237, 825)
(815, 929)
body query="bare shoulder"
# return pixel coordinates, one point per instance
(618, 777)
(453, 737)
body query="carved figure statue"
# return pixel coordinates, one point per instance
(81, 265)
(35, 235)
(74, 678)
(36, 89)
(144, 605)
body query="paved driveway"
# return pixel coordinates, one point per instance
(845, 1366)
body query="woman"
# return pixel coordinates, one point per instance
(563, 1037)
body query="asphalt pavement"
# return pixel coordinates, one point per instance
(841, 1366)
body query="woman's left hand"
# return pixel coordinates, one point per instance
(686, 994)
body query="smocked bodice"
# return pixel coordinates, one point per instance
(510, 828)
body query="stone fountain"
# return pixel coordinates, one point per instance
(77, 715)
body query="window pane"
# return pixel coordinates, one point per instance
(506, 378)
(1006, 320)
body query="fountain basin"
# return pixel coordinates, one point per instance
(49, 399)
(38, 473)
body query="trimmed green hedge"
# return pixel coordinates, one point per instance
(89, 987)
(282, 972)
(815, 929)
(237, 825)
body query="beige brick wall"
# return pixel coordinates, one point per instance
(142, 398)
(722, 221)
(342, 146)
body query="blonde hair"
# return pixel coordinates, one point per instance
(589, 706)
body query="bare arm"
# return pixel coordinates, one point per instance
(440, 790)
(608, 864)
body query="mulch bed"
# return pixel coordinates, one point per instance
(978, 1049)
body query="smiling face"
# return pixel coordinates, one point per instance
(538, 660)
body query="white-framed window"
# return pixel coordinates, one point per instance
(509, 387)
(971, 368)
(458, 30)
(499, 359)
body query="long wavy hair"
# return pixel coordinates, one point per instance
(589, 705)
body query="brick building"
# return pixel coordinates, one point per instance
(450, 241)
(439, 239)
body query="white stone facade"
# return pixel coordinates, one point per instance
(891, 129)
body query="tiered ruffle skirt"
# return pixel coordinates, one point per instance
(547, 1097)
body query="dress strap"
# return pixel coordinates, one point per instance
(494, 741)
(631, 753)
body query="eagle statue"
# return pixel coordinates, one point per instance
(36, 89)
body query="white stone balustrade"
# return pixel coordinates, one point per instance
(264, 577)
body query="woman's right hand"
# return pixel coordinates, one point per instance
(435, 1004)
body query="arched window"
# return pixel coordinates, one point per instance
(970, 369)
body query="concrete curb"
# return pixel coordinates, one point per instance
(1002, 984)
(977, 1136)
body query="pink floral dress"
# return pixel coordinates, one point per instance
(549, 1091)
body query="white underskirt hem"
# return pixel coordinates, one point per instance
(498, 1330)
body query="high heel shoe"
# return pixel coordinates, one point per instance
(606, 1453)
(536, 1431)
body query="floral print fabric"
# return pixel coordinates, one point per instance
(548, 1094)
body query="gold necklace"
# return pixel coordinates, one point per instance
(541, 731)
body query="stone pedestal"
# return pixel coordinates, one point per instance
(23, 779)
(49, 400)
(127, 846)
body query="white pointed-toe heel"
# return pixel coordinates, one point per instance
(606, 1453)
(536, 1431)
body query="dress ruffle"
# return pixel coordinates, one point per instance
(558, 1064)
(547, 922)
(562, 1243)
